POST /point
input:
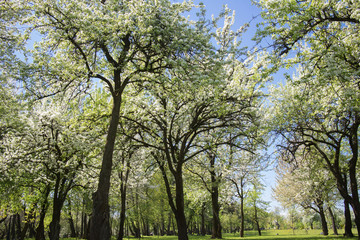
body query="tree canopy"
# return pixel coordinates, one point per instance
(126, 118)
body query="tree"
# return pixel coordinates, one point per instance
(245, 166)
(11, 48)
(305, 184)
(256, 203)
(118, 43)
(210, 164)
(209, 91)
(48, 153)
(322, 102)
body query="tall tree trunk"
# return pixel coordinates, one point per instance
(123, 187)
(203, 229)
(216, 227)
(348, 223)
(354, 145)
(323, 219)
(180, 209)
(100, 221)
(14, 230)
(40, 230)
(169, 226)
(54, 233)
(242, 215)
(257, 219)
(240, 192)
(71, 225)
(333, 220)
(62, 187)
(29, 222)
(83, 225)
(162, 218)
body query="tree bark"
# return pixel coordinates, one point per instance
(216, 227)
(180, 210)
(333, 220)
(242, 215)
(123, 187)
(71, 222)
(54, 233)
(348, 223)
(40, 230)
(177, 207)
(203, 229)
(62, 187)
(100, 221)
(323, 220)
(257, 220)
(354, 145)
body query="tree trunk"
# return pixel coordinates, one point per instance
(62, 187)
(123, 188)
(216, 227)
(180, 209)
(135, 230)
(333, 220)
(40, 230)
(169, 226)
(71, 221)
(28, 227)
(162, 218)
(14, 225)
(100, 221)
(54, 227)
(348, 223)
(242, 220)
(203, 229)
(354, 145)
(72, 227)
(257, 220)
(83, 225)
(323, 220)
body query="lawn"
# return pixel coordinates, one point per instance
(267, 234)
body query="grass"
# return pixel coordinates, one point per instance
(253, 235)
(266, 234)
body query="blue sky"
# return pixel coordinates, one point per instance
(245, 12)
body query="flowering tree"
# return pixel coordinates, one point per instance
(305, 183)
(209, 93)
(117, 42)
(319, 107)
(48, 153)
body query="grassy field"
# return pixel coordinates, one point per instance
(266, 234)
